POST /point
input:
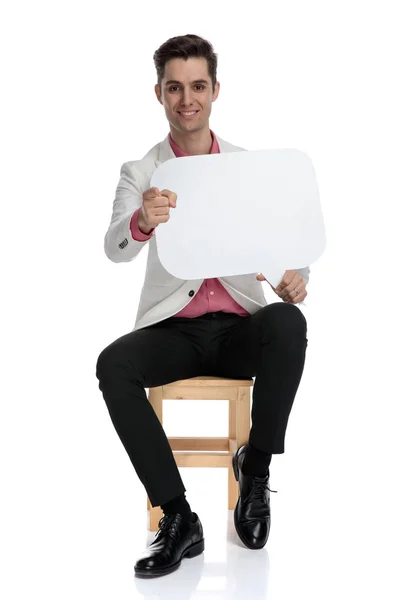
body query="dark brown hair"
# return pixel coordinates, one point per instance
(186, 46)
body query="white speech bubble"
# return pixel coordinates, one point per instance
(242, 212)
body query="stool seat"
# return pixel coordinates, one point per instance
(207, 451)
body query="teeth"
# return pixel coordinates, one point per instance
(188, 113)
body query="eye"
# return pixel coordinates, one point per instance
(176, 86)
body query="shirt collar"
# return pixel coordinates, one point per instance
(179, 152)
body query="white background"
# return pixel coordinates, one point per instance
(78, 100)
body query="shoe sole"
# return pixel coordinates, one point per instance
(236, 472)
(190, 552)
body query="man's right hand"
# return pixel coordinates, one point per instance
(155, 208)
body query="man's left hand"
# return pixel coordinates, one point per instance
(287, 289)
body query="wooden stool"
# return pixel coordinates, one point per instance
(207, 451)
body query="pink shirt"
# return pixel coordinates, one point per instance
(212, 296)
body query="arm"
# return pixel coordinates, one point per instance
(119, 243)
(138, 228)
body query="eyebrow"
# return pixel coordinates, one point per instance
(196, 81)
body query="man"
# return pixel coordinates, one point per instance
(220, 326)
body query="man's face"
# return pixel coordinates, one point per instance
(193, 92)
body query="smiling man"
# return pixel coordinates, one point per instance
(221, 326)
(187, 96)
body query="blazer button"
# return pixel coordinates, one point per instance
(191, 293)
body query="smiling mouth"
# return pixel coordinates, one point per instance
(191, 113)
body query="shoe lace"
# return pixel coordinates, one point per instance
(168, 524)
(260, 487)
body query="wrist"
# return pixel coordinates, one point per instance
(142, 225)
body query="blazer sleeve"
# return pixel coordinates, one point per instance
(119, 244)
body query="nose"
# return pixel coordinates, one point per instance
(187, 95)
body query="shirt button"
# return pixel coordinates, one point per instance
(212, 293)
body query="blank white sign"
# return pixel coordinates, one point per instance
(240, 212)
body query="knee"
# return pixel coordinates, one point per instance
(285, 317)
(102, 363)
(112, 356)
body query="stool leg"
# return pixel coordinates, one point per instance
(155, 515)
(241, 435)
(243, 416)
(233, 486)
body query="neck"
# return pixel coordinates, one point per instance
(193, 143)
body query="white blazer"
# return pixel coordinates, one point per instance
(164, 295)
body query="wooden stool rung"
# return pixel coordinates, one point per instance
(202, 459)
(199, 443)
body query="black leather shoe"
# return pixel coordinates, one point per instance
(175, 539)
(252, 514)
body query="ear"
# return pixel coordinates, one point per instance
(158, 93)
(216, 91)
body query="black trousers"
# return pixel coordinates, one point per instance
(269, 345)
